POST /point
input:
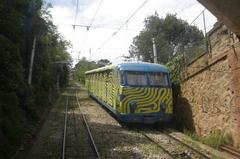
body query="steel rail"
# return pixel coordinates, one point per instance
(231, 150)
(158, 145)
(88, 130)
(75, 132)
(186, 145)
(64, 131)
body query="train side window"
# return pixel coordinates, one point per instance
(158, 79)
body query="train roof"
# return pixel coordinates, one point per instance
(109, 67)
(143, 66)
(140, 66)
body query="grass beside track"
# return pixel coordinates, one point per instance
(215, 139)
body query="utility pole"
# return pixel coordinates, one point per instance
(154, 51)
(205, 32)
(31, 62)
(78, 56)
(90, 52)
(89, 59)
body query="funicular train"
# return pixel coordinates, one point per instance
(134, 92)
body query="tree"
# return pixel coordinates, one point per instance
(103, 62)
(84, 65)
(21, 105)
(81, 67)
(172, 36)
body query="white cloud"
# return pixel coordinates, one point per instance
(111, 15)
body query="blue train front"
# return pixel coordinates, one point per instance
(135, 92)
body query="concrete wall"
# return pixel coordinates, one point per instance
(210, 88)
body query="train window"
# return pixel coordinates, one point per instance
(136, 78)
(158, 79)
(121, 78)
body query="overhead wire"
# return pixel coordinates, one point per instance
(76, 12)
(198, 16)
(75, 18)
(90, 25)
(114, 33)
(98, 27)
(130, 17)
(187, 7)
(122, 25)
(184, 31)
(93, 19)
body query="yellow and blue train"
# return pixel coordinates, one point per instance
(135, 92)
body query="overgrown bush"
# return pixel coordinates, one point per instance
(21, 104)
(215, 139)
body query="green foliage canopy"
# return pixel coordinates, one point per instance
(21, 104)
(172, 36)
(84, 65)
(81, 67)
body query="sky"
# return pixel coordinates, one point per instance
(106, 16)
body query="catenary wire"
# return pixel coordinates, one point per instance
(90, 25)
(114, 33)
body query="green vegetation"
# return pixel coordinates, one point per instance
(175, 67)
(214, 139)
(21, 104)
(83, 65)
(173, 37)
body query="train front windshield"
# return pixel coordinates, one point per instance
(157, 79)
(136, 78)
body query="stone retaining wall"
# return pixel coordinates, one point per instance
(210, 88)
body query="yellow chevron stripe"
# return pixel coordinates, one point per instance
(146, 97)
(132, 90)
(149, 102)
(135, 96)
(154, 100)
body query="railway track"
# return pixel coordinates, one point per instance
(231, 150)
(88, 130)
(189, 152)
(158, 145)
(64, 130)
(77, 140)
